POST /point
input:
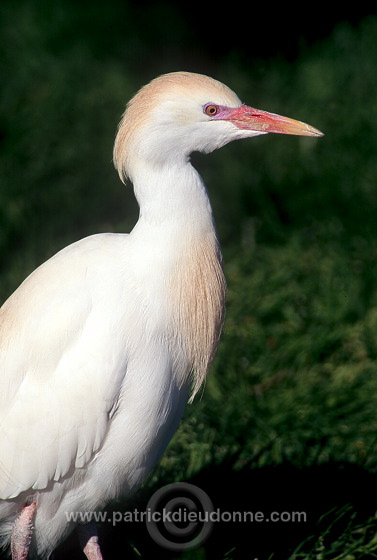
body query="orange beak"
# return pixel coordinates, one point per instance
(248, 118)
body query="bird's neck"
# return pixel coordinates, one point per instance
(173, 195)
(176, 228)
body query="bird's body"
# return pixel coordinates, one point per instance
(100, 345)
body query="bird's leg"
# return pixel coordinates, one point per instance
(22, 532)
(89, 541)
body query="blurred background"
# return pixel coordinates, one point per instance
(288, 419)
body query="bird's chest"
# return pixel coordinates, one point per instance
(196, 306)
(180, 290)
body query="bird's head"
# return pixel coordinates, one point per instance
(181, 112)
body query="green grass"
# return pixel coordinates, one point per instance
(288, 417)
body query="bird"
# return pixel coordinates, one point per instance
(103, 345)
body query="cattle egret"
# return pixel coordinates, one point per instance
(100, 345)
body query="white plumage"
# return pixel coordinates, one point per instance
(99, 346)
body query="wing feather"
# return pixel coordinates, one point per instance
(61, 366)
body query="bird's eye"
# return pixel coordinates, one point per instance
(211, 110)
